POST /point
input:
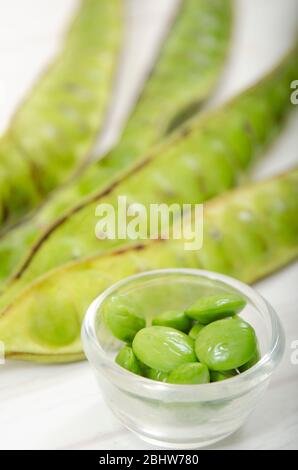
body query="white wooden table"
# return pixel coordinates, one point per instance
(60, 407)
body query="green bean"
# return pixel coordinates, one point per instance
(192, 373)
(226, 344)
(200, 35)
(163, 348)
(218, 376)
(173, 319)
(122, 322)
(158, 375)
(172, 174)
(126, 359)
(255, 358)
(57, 124)
(233, 226)
(208, 309)
(193, 333)
(52, 328)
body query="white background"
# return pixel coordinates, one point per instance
(61, 406)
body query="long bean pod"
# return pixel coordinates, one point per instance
(56, 125)
(208, 156)
(200, 36)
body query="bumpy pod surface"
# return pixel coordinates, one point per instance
(56, 125)
(200, 36)
(206, 158)
(247, 234)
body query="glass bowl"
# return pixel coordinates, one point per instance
(180, 416)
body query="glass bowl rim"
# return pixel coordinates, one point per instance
(273, 355)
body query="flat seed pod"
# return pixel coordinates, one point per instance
(57, 124)
(50, 137)
(179, 171)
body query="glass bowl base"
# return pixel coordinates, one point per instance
(180, 445)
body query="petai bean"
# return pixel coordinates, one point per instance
(173, 319)
(226, 344)
(192, 373)
(123, 323)
(208, 309)
(193, 333)
(223, 346)
(218, 376)
(158, 375)
(255, 358)
(163, 348)
(126, 359)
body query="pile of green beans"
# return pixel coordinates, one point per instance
(208, 342)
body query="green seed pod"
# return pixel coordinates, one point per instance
(173, 319)
(195, 330)
(208, 309)
(169, 174)
(226, 344)
(158, 375)
(163, 348)
(192, 373)
(126, 359)
(122, 322)
(56, 132)
(54, 129)
(255, 358)
(216, 376)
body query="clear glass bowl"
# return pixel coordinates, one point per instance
(180, 416)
